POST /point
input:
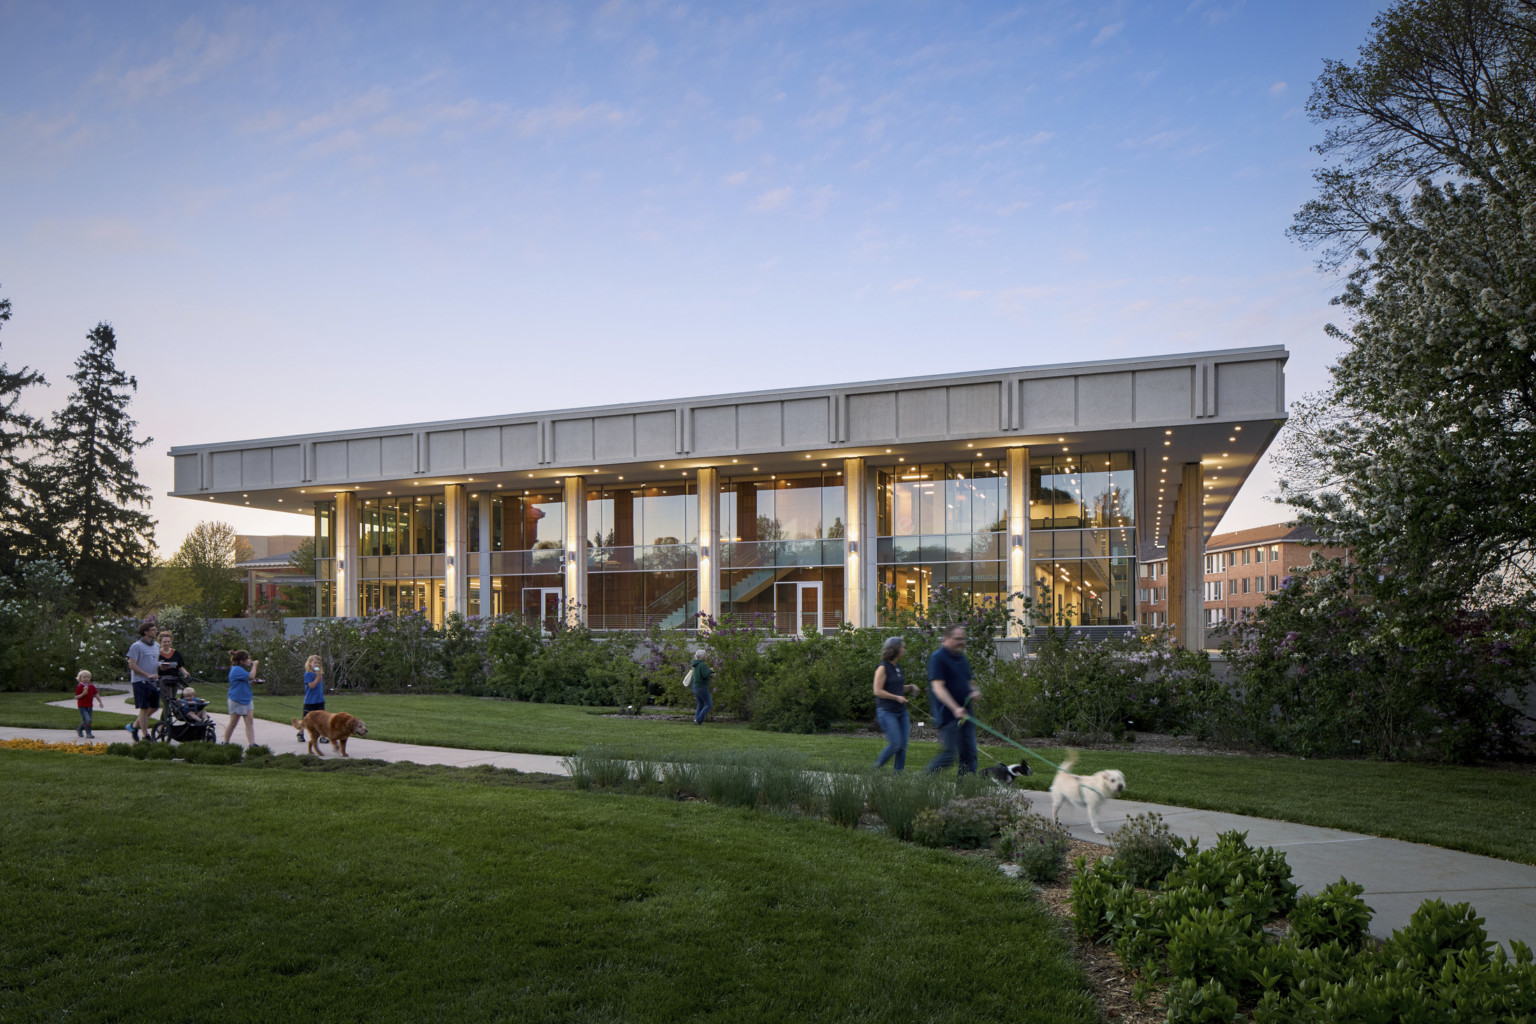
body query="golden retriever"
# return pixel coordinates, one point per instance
(335, 726)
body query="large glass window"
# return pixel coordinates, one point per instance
(1083, 538)
(781, 549)
(642, 559)
(940, 525)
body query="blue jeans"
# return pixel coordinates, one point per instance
(959, 742)
(85, 718)
(897, 726)
(704, 701)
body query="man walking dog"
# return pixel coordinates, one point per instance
(949, 689)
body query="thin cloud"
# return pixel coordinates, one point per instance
(1108, 32)
(739, 178)
(1278, 89)
(772, 200)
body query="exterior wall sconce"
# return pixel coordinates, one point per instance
(450, 561)
(341, 564)
(1018, 540)
(704, 551)
(853, 547)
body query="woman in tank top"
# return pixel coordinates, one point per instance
(891, 691)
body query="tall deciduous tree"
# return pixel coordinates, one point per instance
(207, 560)
(1443, 89)
(92, 500)
(19, 434)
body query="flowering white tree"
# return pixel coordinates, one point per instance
(1421, 456)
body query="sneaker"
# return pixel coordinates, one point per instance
(78, 732)
(90, 735)
(133, 729)
(324, 740)
(299, 738)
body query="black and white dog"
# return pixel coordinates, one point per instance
(1004, 774)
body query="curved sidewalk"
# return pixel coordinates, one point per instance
(280, 737)
(1397, 875)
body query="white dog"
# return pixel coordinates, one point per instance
(1086, 791)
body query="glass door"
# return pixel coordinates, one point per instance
(808, 607)
(542, 606)
(796, 606)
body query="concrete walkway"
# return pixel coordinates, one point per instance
(1397, 876)
(280, 737)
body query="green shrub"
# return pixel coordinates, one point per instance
(1145, 849)
(966, 823)
(1090, 898)
(797, 699)
(1336, 913)
(1190, 1002)
(209, 753)
(120, 749)
(159, 752)
(1213, 944)
(1436, 933)
(845, 795)
(256, 750)
(1255, 883)
(1038, 845)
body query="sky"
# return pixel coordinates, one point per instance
(316, 216)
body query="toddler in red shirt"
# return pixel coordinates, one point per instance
(85, 695)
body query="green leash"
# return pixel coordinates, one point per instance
(1011, 743)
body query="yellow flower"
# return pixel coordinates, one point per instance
(68, 748)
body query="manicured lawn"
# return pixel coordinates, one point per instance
(1479, 810)
(32, 711)
(150, 891)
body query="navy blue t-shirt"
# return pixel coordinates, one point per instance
(955, 671)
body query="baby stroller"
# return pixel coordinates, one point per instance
(179, 721)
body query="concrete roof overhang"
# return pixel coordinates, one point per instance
(1218, 409)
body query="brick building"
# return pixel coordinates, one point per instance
(1241, 570)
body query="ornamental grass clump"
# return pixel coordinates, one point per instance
(1038, 845)
(900, 797)
(845, 795)
(679, 779)
(599, 767)
(729, 783)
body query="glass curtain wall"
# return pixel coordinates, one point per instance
(781, 550)
(527, 556)
(642, 556)
(401, 562)
(325, 558)
(940, 525)
(1083, 539)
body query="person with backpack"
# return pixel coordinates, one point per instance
(699, 674)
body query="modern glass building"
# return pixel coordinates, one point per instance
(800, 507)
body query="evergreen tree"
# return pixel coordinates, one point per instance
(19, 434)
(93, 499)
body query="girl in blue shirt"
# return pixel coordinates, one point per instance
(314, 689)
(241, 701)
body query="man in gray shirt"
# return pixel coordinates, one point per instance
(143, 671)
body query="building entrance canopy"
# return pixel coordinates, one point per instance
(1177, 435)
